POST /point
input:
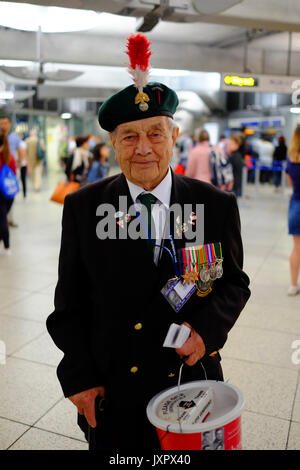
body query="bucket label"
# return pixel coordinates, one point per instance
(188, 407)
(227, 437)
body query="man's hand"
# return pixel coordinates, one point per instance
(85, 403)
(194, 347)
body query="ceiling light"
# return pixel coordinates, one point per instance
(6, 95)
(295, 110)
(28, 17)
(66, 115)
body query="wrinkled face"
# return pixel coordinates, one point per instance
(143, 150)
(5, 125)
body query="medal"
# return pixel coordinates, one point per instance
(204, 275)
(213, 273)
(189, 276)
(219, 269)
(206, 262)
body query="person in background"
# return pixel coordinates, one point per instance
(5, 203)
(93, 141)
(198, 162)
(293, 178)
(71, 144)
(24, 169)
(99, 165)
(80, 160)
(14, 143)
(237, 163)
(279, 156)
(35, 163)
(265, 150)
(184, 145)
(223, 143)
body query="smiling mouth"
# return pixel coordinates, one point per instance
(143, 163)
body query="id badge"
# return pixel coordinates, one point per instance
(177, 293)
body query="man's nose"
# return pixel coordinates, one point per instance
(143, 146)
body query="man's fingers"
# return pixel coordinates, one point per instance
(187, 348)
(192, 359)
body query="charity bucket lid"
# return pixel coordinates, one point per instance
(228, 404)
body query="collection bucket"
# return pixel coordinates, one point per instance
(219, 428)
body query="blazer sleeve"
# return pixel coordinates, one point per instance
(214, 315)
(69, 324)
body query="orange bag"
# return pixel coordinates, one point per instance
(62, 190)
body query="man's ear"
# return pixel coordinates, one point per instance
(112, 138)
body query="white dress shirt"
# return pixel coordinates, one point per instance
(162, 192)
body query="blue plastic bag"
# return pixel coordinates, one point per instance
(9, 185)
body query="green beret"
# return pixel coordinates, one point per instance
(130, 105)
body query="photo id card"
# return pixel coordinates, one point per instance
(177, 293)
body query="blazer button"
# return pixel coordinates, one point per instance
(171, 375)
(138, 326)
(134, 369)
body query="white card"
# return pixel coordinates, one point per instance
(176, 336)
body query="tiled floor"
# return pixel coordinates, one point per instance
(257, 356)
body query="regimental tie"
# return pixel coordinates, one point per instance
(148, 201)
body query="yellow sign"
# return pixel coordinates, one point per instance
(235, 80)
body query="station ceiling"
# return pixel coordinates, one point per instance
(250, 36)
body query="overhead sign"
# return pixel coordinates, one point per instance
(262, 83)
(260, 122)
(238, 81)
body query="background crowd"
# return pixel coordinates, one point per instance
(85, 159)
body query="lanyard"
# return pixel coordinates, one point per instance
(172, 254)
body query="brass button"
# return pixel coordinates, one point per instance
(138, 326)
(134, 369)
(171, 375)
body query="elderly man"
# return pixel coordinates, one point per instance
(112, 313)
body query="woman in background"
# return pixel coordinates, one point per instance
(78, 164)
(293, 177)
(279, 156)
(237, 162)
(198, 162)
(5, 203)
(99, 165)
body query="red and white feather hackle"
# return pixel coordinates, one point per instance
(139, 54)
